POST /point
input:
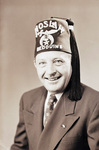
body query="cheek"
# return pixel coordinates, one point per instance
(66, 70)
(40, 72)
(69, 72)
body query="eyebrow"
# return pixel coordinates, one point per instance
(41, 59)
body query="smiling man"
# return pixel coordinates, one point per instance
(63, 114)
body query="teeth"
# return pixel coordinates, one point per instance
(52, 79)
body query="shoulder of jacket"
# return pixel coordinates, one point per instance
(34, 91)
(30, 97)
(90, 95)
(90, 91)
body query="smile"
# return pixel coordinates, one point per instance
(53, 79)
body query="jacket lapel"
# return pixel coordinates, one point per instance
(67, 121)
(35, 118)
(59, 124)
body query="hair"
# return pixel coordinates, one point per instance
(75, 86)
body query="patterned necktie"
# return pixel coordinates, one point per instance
(50, 107)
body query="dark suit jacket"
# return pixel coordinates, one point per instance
(72, 126)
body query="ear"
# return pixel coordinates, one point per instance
(35, 63)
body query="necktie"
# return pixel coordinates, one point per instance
(50, 107)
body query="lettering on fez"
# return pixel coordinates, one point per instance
(46, 24)
(49, 47)
(39, 28)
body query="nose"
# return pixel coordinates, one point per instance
(51, 70)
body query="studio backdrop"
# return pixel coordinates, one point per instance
(17, 43)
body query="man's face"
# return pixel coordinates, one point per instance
(54, 70)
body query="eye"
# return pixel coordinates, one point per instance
(41, 64)
(58, 62)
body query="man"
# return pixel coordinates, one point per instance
(70, 120)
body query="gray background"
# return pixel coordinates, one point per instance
(17, 72)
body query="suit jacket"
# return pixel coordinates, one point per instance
(73, 125)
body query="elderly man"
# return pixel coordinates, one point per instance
(63, 114)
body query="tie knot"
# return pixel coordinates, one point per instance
(52, 99)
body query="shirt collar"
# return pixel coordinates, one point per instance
(58, 95)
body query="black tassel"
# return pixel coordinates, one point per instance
(76, 89)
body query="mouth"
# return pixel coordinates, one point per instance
(53, 78)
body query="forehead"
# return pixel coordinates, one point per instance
(53, 55)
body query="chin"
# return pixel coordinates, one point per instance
(50, 89)
(53, 89)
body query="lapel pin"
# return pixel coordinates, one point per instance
(63, 126)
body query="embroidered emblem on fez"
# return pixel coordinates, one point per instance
(46, 40)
